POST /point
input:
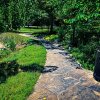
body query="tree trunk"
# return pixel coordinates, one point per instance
(51, 24)
(73, 35)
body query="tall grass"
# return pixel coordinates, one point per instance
(6, 37)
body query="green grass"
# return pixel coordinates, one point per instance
(18, 87)
(34, 54)
(32, 30)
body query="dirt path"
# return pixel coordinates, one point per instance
(63, 79)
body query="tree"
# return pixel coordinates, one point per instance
(80, 16)
(49, 6)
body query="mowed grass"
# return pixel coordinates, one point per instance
(18, 87)
(34, 54)
(32, 30)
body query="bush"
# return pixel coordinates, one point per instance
(86, 54)
(61, 34)
(89, 51)
(51, 37)
(7, 69)
(4, 53)
(2, 28)
(12, 39)
(77, 53)
(10, 44)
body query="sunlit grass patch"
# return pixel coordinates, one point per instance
(32, 30)
(51, 38)
(18, 87)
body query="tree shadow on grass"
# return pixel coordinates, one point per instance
(32, 68)
(12, 68)
(40, 34)
(7, 69)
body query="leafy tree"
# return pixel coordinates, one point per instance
(50, 7)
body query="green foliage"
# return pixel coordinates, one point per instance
(51, 38)
(10, 45)
(18, 87)
(4, 53)
(81, 19)
(86, 54)
(77, 54)
(89, 51)
(2, 28)
(7, 69)
(62, 32)
(11, 40)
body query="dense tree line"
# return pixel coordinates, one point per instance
(80, 16)
(15, 13)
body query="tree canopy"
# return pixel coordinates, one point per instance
(16, 13)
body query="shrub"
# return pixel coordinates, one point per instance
(86, 54)
(61, 34)
(4, 53)
(13, 39)
(51, 37)
(2, 27)
(7, 69)
(10, 44)
(89, 51)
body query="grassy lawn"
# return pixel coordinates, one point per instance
(18, 87)
(32, 30)
(31, 55)
(28, 56)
